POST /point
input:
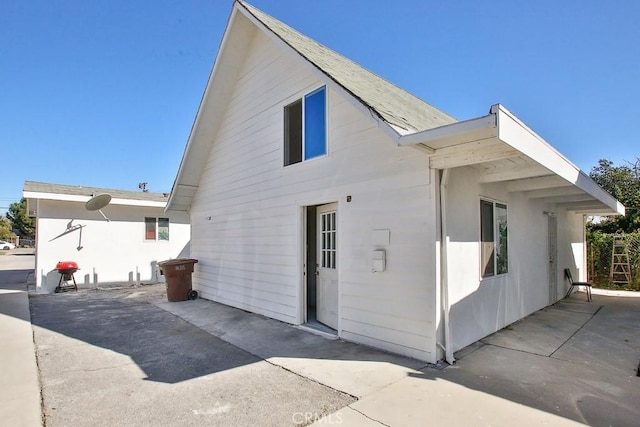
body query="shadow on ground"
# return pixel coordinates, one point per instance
(165, 347)
(170, 349)
(573, 359)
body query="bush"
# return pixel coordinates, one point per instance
(599, 252)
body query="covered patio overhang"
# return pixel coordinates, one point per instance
(505, 150)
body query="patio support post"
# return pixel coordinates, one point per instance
(444, 277)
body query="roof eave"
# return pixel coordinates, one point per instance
(239, 7)
(391, 130)
(215, 70)
(83, 199)
(514, 136)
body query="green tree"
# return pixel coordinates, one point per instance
(20, 221)
(5, 229)
(623, 183)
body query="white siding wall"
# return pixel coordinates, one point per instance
(114, 249)
(483, 306)
(571, 248)
(247, 215)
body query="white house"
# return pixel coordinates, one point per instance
(123, 249)
(319, 192)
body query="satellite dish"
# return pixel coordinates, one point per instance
(97, 202)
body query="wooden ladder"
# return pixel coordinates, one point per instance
(620, 267)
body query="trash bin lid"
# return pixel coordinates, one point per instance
(177, 261)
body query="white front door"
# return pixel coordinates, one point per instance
(327, 283)
(553, 258)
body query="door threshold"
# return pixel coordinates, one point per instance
(315, 330)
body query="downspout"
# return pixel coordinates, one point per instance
(444, 265)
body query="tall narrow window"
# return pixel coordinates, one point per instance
(493, 238)
(305, 128)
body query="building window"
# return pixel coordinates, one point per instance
(305, 128)
(493, 238)
(156, 228)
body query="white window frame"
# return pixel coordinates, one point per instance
(326, 125)
(496, 247)
(157, 229)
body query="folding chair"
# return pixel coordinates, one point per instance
(587, 285)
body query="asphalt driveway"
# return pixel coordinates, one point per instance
(128, 357)
(109, 357)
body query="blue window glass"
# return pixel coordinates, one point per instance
(315, 128)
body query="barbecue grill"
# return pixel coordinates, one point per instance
(66, 270)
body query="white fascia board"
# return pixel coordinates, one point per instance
(84, 199)
(466, 126)
(515, 133)
(184, 162)
(133, 202)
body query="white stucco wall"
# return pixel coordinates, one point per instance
(113, 249)
(481, 306)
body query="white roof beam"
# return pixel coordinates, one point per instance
(543, 182)
(515, 133)
(458, 129)
(576, 198)
(601, 211)
(471, 153)
(567, 190)
(583, 205)
(532, 171)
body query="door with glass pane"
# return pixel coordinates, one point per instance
(326, 269)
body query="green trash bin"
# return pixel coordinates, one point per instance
(178, 274)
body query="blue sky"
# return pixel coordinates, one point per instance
(104, 92)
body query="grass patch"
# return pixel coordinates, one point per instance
(2, 253)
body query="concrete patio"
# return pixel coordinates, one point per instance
(571, 363)
(128, 357)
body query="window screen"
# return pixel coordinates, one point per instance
(486, 239)
(293, 133)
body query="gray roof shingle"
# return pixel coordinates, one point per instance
(78, 190)
(391, 103)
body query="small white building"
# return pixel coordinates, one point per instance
(320, 193)
(123, 249)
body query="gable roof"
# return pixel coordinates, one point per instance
(392, 104)
(498, 145)
(45, 190)
(398, 111)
